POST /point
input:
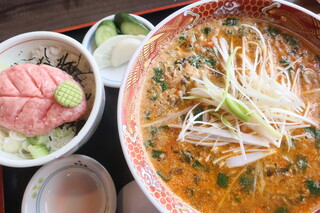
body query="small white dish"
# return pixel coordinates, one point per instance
(131, 199)
(75, 184)
(111, 76)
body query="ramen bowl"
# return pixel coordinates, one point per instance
(49, 47)
(280, 13)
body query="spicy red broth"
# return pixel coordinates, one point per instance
(209, 91)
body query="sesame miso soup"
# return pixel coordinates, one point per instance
(229, 116)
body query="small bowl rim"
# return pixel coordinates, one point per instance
(123, 141)
(99, 170)
(97, 108)
(90, 36)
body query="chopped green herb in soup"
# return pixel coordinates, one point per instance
(229, 115)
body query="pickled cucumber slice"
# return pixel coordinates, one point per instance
(41, 139)
(38, 150)
(129, 25)
(105, 30)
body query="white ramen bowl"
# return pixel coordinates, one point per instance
(17, 49)
(279, 12)
(111, 76)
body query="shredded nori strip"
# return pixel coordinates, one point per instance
(43, 60)
(72, 69)
(46, 57)
(88, 96)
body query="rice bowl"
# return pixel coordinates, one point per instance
(26, 47)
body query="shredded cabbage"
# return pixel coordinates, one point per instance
(38, 146)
